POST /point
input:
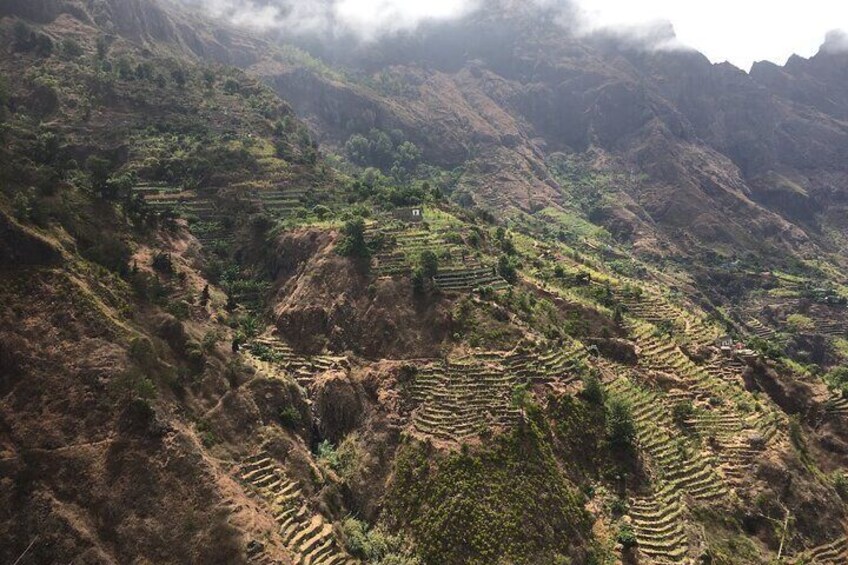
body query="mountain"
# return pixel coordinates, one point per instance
(493, 290)
(724, 161)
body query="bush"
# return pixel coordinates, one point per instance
(141, 352)
(22, 206)
(322, 212)
(796, 433)
(618, 507)
(112, 254)
(800, 323)
(195, 357)
(373, 545)
(593, 390)
(419, 283)
(328, 455)
(682, 411)
(290, 417)
(162, 263)
(626, 536)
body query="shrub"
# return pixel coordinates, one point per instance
(322, 212)
(373, 545)
(211, 340)
(800, 323)
(682, 411)
(22, 206)
(162, 263)
(626, 536)
(419, 282)
(111, 253)
(618, 507)
(328, 455)
(290, 417)
(796, 433)
(840, 483)
(141, 351)
(195, 357)
(133, 384)
(593, 390)
(520, 396)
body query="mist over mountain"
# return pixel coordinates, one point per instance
(345, 282)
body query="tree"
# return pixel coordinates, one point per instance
(162, 263)
(71, 48)
(124, 69)
(102, 48)
(179, 76)
(621, 431)
(24, 37)
(231, 86)
(682, 412)
(43, 45)
(209, 78)
(429, 263)
(98, 171)
(353, 243)
(382, 149)
(204, 296)
(507, 269)
(358, 149)
(119, 186)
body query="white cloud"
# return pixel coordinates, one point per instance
(739, 31)
(377, 16)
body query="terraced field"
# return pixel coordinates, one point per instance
(833, 553)
(677, 467)
(650, 306)
(658, 524)
(663, 355)
(307, 535)
(469, 278)
(279, 202)
(275, 355)
(460, 399)
(758, 329)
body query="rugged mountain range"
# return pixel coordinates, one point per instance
(723, 159)
(618, 334)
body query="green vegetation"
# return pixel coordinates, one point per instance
(374, 545)
(593, 390)
(483, 507)
(621, 430)
(800, 323)
(353, 242)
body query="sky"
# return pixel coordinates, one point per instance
(739, 31)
